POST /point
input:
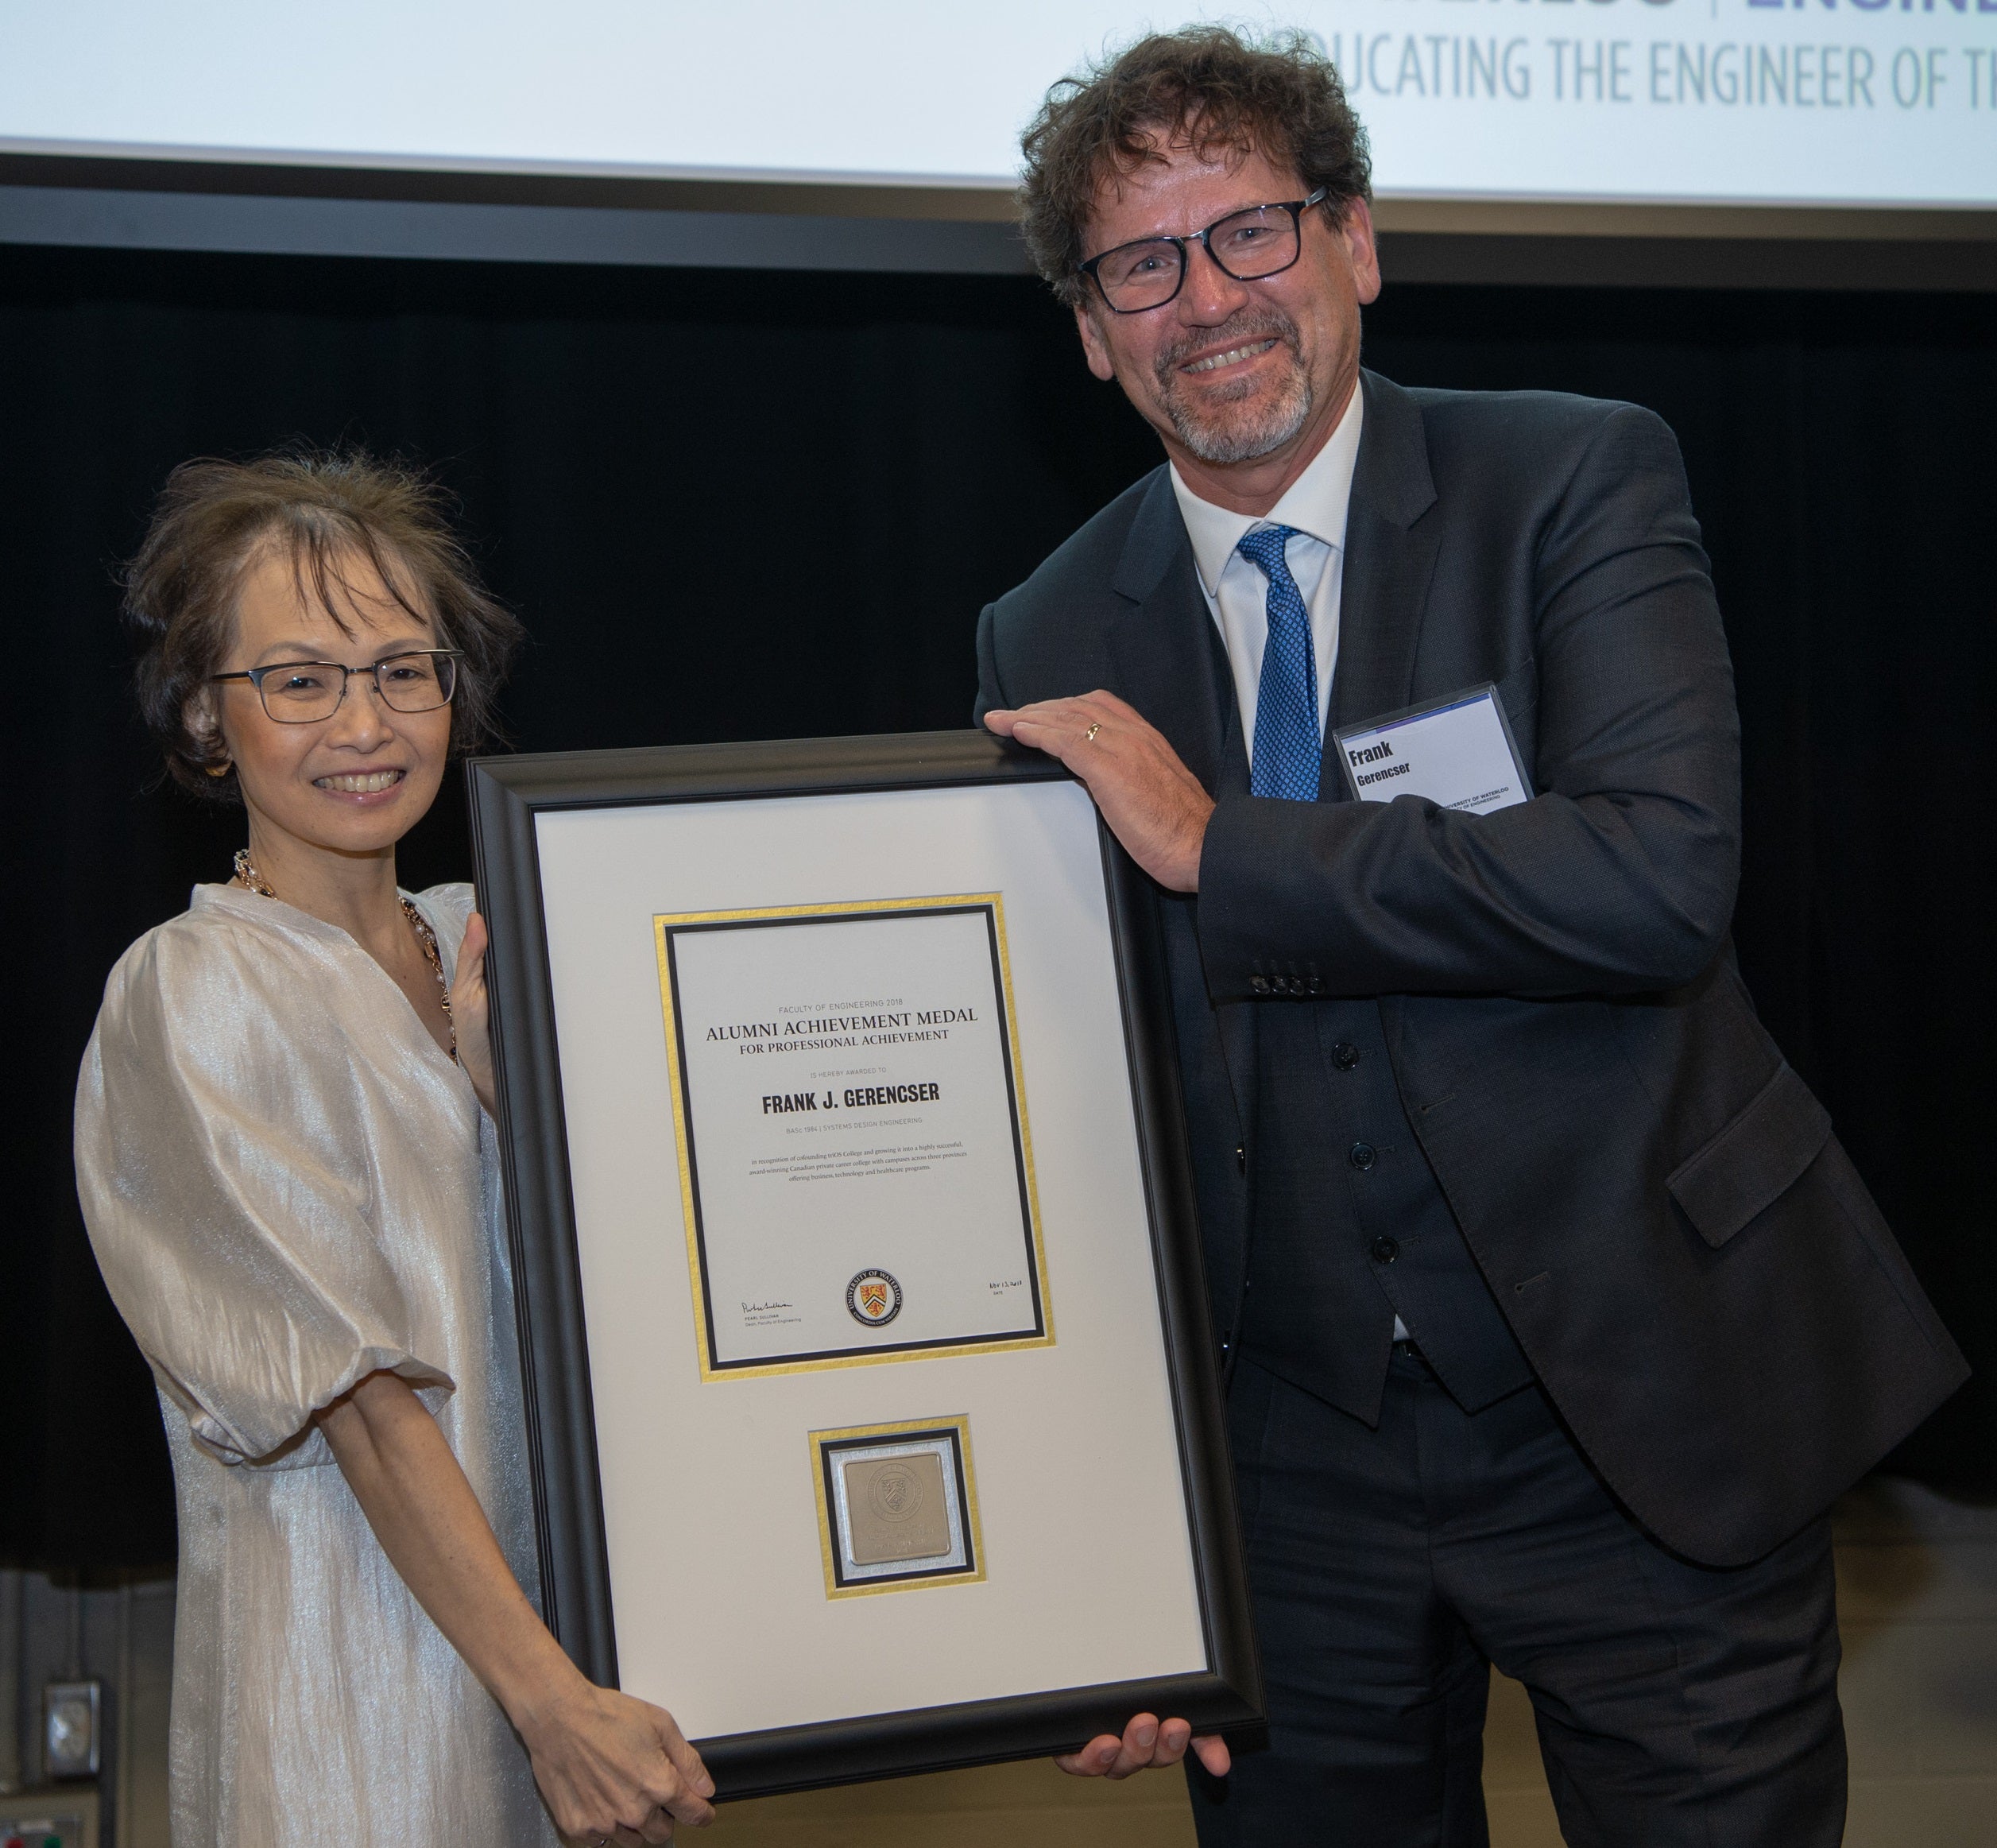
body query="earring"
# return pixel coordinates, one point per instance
(222, 768)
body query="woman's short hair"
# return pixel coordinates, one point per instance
(1279, 97)
(325, 510)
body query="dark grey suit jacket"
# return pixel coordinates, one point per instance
(1695, 1270)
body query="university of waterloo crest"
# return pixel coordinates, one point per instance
(873, 1298)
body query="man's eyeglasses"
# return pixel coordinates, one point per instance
(1263, 241)
(300, 692)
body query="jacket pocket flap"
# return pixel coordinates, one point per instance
(1757, 1156)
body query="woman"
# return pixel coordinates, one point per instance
(292, 1189)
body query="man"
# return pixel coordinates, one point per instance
(1554, 1317)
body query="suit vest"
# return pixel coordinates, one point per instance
(1348, 1225)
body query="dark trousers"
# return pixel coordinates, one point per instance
(1675, 1705)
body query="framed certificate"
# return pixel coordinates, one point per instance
(872, 1418)
(756, 1110)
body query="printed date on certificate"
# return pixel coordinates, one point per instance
(856, 1169)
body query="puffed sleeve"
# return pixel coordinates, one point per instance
(222, 1166)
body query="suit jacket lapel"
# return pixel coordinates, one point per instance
(1172, 666)
(1390, 560)
(1164, 643)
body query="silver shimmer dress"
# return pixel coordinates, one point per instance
(290, 1186)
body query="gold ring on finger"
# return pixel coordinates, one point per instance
(1088, 736)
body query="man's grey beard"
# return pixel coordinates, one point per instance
(1222, 439)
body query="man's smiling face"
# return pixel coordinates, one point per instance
(1242, 379)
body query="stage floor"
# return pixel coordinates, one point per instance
(1916, 1579)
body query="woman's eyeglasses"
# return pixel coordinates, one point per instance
(300, 692)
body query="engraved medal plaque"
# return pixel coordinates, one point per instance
(897, 1506)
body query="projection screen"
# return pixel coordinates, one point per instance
(914, 109)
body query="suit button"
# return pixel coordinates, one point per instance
(1315, 985)
(1241, 1156)
(1344, 1056)
(1385, 1250)
(1362, 1156)
(1258, 984)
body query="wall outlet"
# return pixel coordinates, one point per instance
(45, 1830)
(51, 1819)
(71, 1742)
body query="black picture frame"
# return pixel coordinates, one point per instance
(506, 794)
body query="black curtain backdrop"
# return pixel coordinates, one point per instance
(762, 505)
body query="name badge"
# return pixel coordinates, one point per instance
(1457, 752)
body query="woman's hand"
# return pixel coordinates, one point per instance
(611, 1768)
(470, 1014)
(614, 1769)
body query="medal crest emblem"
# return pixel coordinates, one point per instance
(874, 1298)
(896, 1494)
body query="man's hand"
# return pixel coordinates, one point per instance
(1147, 1745)
(1153, 803)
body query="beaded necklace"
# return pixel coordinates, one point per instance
(251, 879)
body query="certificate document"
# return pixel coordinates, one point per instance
(855, 1165)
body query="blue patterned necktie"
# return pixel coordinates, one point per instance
(1288, 749)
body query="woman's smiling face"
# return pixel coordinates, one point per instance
(358, 782)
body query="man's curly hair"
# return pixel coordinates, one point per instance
(1279, 97)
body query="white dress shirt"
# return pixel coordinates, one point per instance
(1237, 591)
